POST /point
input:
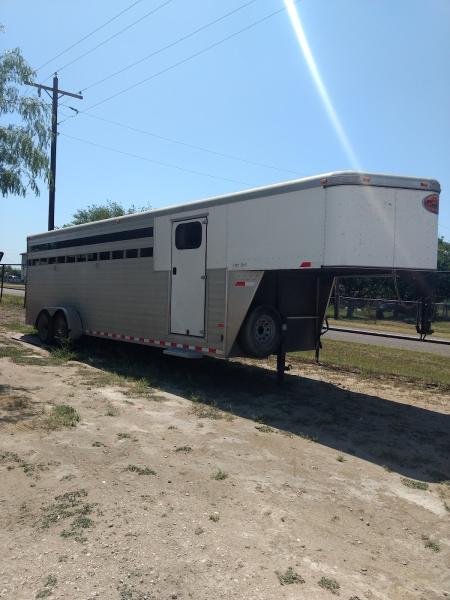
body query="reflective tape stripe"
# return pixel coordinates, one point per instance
(151, 342)
(242, 283)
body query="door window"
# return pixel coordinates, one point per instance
(188, 236)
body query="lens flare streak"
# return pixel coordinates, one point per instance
(321, 88)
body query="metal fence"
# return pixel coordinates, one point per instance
(12, 279)
(380, 309)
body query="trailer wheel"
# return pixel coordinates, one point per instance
(44, 327)
(261, 332)
(60, 327)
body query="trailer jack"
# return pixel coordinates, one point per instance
(282, 367)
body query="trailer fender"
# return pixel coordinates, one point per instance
(74, 324)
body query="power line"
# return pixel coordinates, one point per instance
(171, 45)
(186, 144)
(188, 58)
(151, 160)
(88, 35)
(114, 35)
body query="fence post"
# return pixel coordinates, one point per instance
(336, 298)
(1, 287)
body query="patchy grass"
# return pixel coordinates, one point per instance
(140, 470)
(185, 449)
(62, 415)
(308, 437)
(16, 352)
(264, 428)
(340, 458)
(98, 444)
(7, 456)
(76, 528)
(30, 469)
(416, 485)
(214, 517)
(12, 402)
(329, 584)
(422, 368)
(139, 387)
(289, 577)
(219, 475)
(47, 590)
(63, 353)
(22, 355)
(99, 378)
(111, 410)
(430, 544)
(126, 436)
(69, 505)
(12, 300)
(209, 411)
(20, 327)
(49, 583)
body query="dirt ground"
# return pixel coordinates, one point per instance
(206, 481)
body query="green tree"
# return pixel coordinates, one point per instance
(443, 255)
(443, 279)
(24, 139)
(97, 212)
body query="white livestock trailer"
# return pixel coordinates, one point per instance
(245, 274)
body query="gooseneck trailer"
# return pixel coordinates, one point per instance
(244, 274)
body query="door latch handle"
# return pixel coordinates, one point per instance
(202, 276)
(174, 270)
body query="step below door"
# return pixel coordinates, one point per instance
(187, 307)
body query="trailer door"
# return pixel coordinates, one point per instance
(187, 307)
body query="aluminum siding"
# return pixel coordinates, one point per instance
(124, 297)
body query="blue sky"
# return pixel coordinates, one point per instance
(385, 65)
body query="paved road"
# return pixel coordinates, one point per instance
(13, 292)
(360, 338)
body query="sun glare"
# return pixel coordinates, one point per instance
(323, 92)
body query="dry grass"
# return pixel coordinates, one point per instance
(61, 415)
(289, 577)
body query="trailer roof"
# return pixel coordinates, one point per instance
(324, 180)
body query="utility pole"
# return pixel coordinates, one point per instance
(55, 96)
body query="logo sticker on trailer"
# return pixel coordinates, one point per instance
(431, 203)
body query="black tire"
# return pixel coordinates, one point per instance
(60, 328)
(261, 332)
(44, 328)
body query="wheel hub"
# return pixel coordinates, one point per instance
(264, 330)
